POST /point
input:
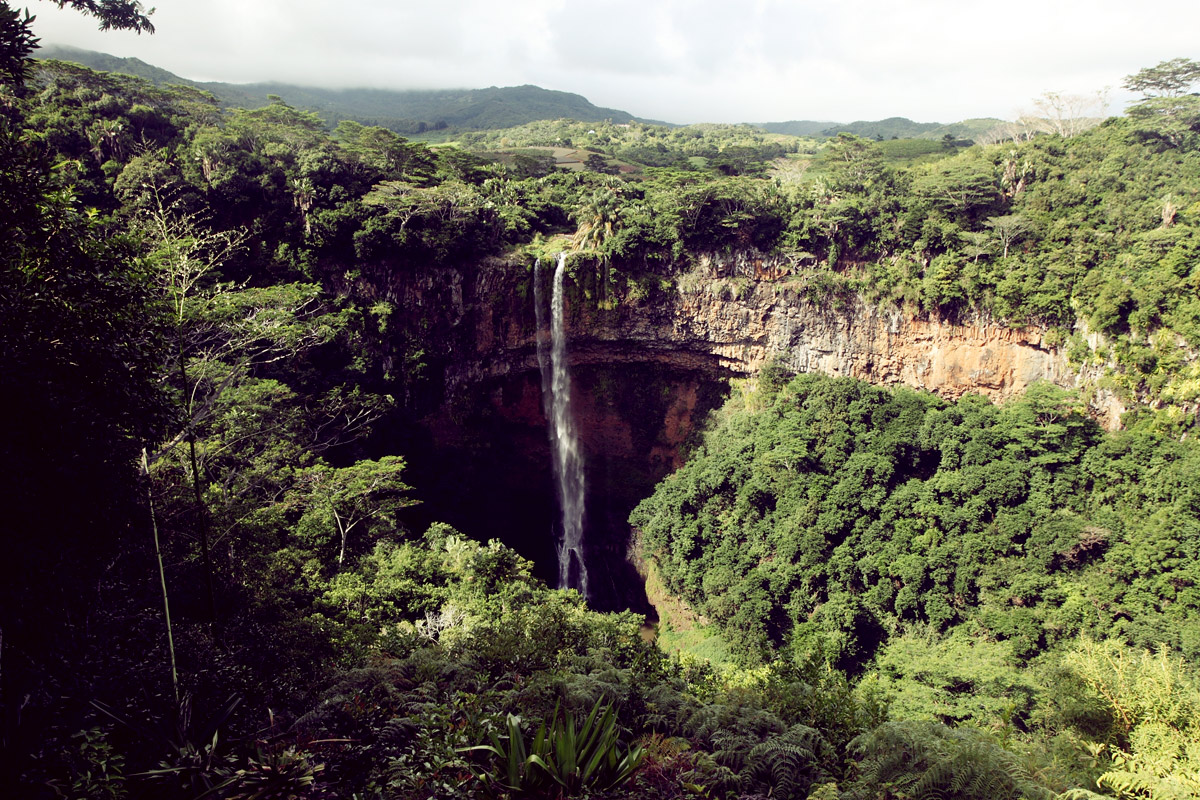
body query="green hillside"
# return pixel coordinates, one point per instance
(419, 111)
(234, 345)
(407, 112)
(891, 128)
(104, 62)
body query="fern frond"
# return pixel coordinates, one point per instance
(933, 762)
(1081, 794)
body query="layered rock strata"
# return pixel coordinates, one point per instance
(726, 319)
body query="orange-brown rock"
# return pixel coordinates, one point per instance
(730, 318)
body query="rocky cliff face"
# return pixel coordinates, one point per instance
(730, 317)
(648, 366)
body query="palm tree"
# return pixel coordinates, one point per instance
(598, 217)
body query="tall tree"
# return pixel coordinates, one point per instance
(1167, 111)
(17, 42)
(78, 348)
(358, 498)
(1071, 114)
(1172, 78)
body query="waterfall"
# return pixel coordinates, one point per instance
(566, 455)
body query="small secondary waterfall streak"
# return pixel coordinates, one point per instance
(567, 456)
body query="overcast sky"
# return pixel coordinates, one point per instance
(675, 60)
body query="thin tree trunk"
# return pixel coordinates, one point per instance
(162, 575)
(345, 532)
(198, 490)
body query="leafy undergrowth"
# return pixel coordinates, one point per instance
(920, 598)
(514, 690)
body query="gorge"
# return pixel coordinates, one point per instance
(648, 365)
(346, 358)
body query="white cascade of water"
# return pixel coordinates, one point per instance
(566, 453)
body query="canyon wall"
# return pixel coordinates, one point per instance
(729, 317)
(648, 365)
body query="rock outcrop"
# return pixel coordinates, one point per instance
(728, 319)
(648, 366)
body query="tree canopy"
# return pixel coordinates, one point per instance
(222, 578)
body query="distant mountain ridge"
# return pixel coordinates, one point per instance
(890, 128)
(404, 111)
(416, 111)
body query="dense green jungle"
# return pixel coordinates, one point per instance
(259, 545)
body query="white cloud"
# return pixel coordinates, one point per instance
(681, 60)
